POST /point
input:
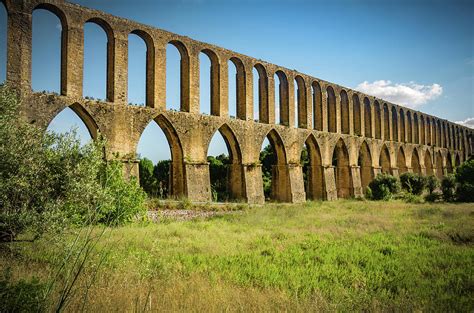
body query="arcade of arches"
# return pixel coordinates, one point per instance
(349, 136)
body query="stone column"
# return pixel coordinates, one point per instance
(252, 176)
(223, 89)
(281, 187)
(271, 99)
(291, 102)
(298, 194)
(198, 185)
(330, 183)
(309, 106)
(72, 73)
(248, 92)
(337, 99)
(357, 190)
(376, 170)
(395, 172)
(159, 83)
(190, 90)
(316, 184)
(117, 69)
(19, 42)
(324, 103)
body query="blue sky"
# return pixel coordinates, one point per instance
(417, 53)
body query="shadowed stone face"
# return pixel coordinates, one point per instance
(350, 137)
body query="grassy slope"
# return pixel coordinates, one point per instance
(343, 255)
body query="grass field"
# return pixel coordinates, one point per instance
(330, 256)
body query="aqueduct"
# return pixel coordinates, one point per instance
(350, 136)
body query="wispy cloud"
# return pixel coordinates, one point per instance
(408, 94)
(469, 122)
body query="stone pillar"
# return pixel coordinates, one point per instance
(252, 176)
(324, 103)
(298, 194)
(223, 89)
(117, 70)
(73, 57)
(350, 103)
(330, 183)
(337, 99)
(190, 91)
(159, 92)
(19, 42)
(248, 93)
(291, 102)
(376, 170)
(395, 172)
(357, 190)
(198, 184)
(309, 106)
(271, 99)
(236, 184)
(423, 170)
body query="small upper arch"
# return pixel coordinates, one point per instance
(53, 9)
(146, 37)
(230, 140)
(104, 25)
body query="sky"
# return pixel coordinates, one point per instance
(415, 53)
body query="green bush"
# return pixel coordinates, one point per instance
(49, 181)
(448, 187)
(125, 199)
(465, 180)
(383, 187)
(432, 183)
(413, 183)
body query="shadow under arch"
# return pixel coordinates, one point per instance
(315, 188)
(401, 161)
(439, 165)
(235, 176)
(415, 162)
(281, 189)
(342, 170)
(449, 163)
(428, 163)
(365, 164)
(384, 160)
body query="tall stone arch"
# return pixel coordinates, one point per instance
(342, 170)
(384, 161)
(365, 165)
(401, 161)
(315, 188)
(415, 162)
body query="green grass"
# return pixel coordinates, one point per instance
(343, 255)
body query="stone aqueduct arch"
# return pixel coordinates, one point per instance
(349, 135)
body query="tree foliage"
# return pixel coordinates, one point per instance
(49, 180)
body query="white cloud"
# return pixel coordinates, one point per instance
(468, 122)
(410, 94)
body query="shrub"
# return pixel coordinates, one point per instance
(432, 183)
(413, 183)
(125, 199)
(465, 179)
(49, 181)
(383, 187)
(448, 187)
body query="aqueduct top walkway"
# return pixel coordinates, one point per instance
(350, 136)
